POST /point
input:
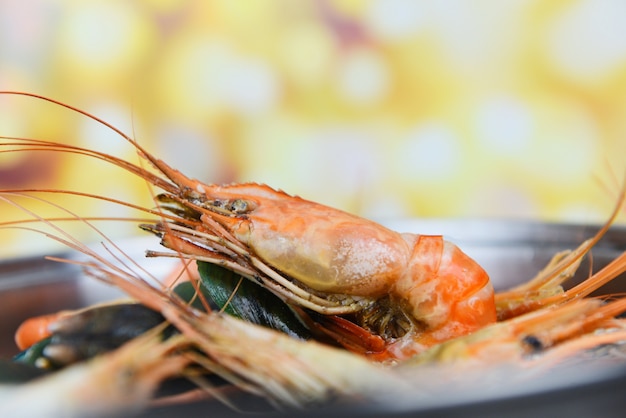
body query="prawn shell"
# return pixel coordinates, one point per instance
(326, 249)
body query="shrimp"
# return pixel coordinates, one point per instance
(120, 382)
(412, 291)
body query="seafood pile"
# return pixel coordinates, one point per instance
(288, 300)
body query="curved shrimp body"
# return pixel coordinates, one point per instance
(446, 290)
(412, 290)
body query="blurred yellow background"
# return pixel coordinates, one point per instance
(385, 108)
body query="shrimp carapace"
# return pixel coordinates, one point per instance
(412, 290)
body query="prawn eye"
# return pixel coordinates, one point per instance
(239, 206)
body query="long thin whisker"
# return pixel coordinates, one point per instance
(71, 219)
(70, 241)
(134, 143)
(30, 145)
(159, 213)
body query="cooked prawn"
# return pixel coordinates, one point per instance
(413, 291)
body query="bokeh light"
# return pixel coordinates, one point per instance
(385, 108)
